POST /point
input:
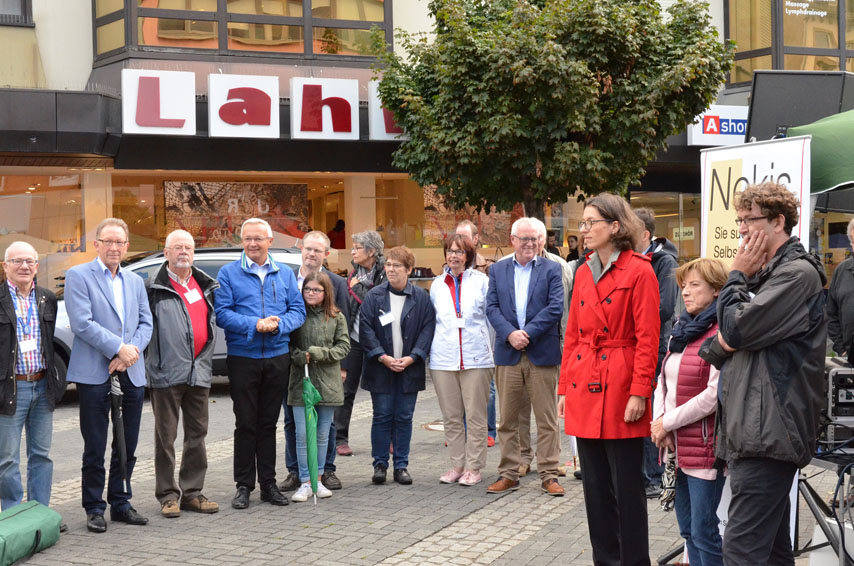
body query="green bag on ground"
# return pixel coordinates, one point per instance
(26, 529)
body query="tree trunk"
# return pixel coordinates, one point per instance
(534, 207)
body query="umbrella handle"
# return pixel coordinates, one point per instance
(306, 370)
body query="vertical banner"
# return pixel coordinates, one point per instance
(728, 170)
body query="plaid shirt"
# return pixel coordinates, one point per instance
(26, 307)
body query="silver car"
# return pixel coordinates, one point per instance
(209, 260)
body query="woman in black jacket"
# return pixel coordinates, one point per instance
(396, 324)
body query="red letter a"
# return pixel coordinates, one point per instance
(253, 107)
(312, 110)
(148, 106)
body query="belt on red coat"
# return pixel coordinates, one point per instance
(596, 342)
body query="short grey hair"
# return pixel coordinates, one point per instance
(175, 233)
(20, 244)
(534, 223)
(260, 221)
(318, 235)
(112, 222)
(371, 240)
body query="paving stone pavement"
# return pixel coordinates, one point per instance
(427, 523)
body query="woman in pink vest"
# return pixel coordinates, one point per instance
(684, 412)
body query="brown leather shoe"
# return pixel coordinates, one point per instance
(199, 504)
(169, 509)
(552, 487)
(503, 485)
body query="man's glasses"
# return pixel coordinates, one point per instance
(749, 220)
(254, 240)
(113, 243)
(528, 240)
(181, 248)
(18, 262)
(313, 250)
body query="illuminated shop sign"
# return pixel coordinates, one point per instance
(719, 125)
(247, 106)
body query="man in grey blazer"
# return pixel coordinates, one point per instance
(109, 315)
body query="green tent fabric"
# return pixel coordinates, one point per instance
(832, 148)
(311, 396)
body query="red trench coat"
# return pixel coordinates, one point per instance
(611, 345)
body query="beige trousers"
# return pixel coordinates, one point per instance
(539, 383)
(464, 394)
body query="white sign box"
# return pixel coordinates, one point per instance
(325, 109)
(719, 125)
(243, 106)
(158, 102)
(381, 121)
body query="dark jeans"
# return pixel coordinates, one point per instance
(94, 425)
(757, 530)
(491, 429)
(615, 500)
(257, 389)
(291, 462)
(652, 470)
(696, 511)
(392, 422)
(353, 364)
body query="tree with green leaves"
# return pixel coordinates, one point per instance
(535, 101)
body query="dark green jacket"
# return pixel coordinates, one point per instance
(327, 343)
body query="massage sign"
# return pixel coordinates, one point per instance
(247, 106)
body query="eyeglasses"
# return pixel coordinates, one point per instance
(181, 248)
(113, 243)
(588, 224)
(456, 252)
(395, 265)
(18, 262)
(254, 240)
(357, 248)
(312, 290)
(527, 240)
(749, 220)
(313, 250)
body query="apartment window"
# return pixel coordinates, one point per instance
(16, 13)
(812, 35)
(301, 29)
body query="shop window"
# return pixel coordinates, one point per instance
(291, 8)
(166, 32)
(677, 218)
(197, 5)
(742, 69)
(819, 27)
(106, 7)
(336, 41)
(110, 36)
(358, 10)
(750, 24)
(811, 63)
(265, 37)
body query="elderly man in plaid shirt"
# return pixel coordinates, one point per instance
(29, 385)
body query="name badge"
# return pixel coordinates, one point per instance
(387, 318)
(192, 296)
(458, 322)
(27, 345)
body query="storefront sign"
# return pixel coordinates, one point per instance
(728, 170)
(719, 125)
(247, 106)
(683, 234)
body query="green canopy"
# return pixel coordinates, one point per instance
(832, 151)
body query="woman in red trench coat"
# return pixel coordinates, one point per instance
(609, 358)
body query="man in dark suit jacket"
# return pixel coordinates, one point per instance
(524, 305)
(108, 310)
(315, 249)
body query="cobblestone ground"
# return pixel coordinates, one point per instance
(427, 523)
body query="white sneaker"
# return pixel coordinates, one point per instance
(323, 491)
(302, 494)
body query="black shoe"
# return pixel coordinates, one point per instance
(96, 523)
(129, 516)
(577, 474)
(379, 474)
(652, 491)
(272, 495)
(291, 482)
(241, 498)
(63, 528)
(402, 477)
(330, 480)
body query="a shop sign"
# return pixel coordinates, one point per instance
(247, 106)
(241, 106)
(324, 109)
(683, 234)
(727, 170)
(719, 125)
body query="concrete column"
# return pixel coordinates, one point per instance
(360, 206)
(97, 190)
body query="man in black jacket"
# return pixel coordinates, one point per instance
(178, 372)
(663, 254)
(315, 249)
(29, 384)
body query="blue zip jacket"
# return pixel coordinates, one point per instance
(242, 300)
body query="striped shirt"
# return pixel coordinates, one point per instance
(27, 328)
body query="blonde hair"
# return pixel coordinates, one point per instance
(713, 271)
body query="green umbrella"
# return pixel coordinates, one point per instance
(311, 396)
(832, 146)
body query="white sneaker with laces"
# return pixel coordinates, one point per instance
(323, 491)
(302, 494)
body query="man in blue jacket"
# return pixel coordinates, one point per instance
(258, 304)
(524, 304)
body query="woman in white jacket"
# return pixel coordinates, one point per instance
(461, 360)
